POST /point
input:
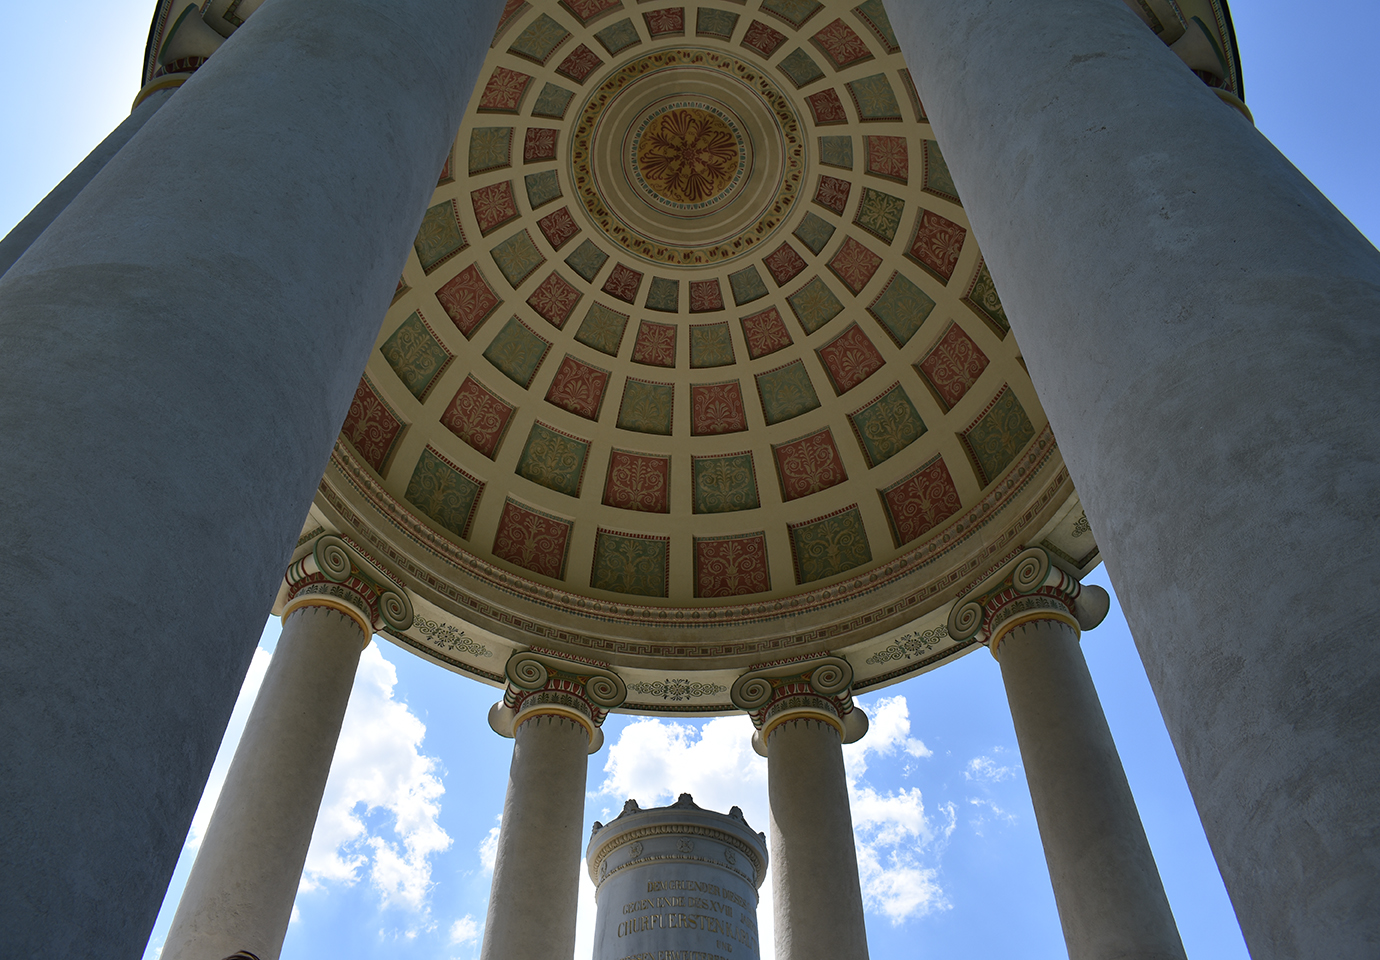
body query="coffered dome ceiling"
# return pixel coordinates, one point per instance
(696, 364)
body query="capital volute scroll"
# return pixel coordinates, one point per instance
(336, 574)
(818, 689)
(540, 684)
(1028, 587)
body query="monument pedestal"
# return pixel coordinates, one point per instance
(676, 881)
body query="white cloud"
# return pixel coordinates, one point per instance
(464, 930)
(488, 847)
(379, 768)
(248, 691)
(987, 770)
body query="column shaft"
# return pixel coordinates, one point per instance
(177, 353)
(25, 232)
(1111, 901)
(819, 909)
(1200, 324)
(537, 870)
(240, 892)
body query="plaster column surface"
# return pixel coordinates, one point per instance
(818, 900)
(239, 894)
(28, 230)
(1201, 327)
(177, 353)
(536, 881)
(1111, 901)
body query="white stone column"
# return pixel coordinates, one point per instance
(553, 709)
(240, 892)
(177, 353)
(1106, 885)
(1200, 325)
(26, 231)
(804, 714)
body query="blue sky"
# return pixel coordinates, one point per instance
(951, 855)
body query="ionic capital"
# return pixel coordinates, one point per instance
(542, 685)
(336, 574)
(811, 690)
(1028, 587)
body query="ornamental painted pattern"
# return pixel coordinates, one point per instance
(800, 67)
(578, 388)
(558, 227)
(476, 415)
(716, 408)
(841, 45)
(936, 244)
(920, 501)
(655, 344)
(762, 39)
(416, 355)
(517, 351)
(836, 151)
(617, 37)
(638, 481)
(938, 180)
(511, 9)
(879, 214)
(677, 689)
(854, 264)
(706, 296)
(542, 188)
(747, 286)
(581, 62)
(517, 258)
(646, 407)
(630, 563)
(913, 644)
(587, 260)
(494, 206)
(829, 545)
(826, 108)
(998, 435)
(504, 92)
(874, 15)
(623, 283)
(715, 23)
(887, 157)
(602, 329)
(711, 345)
(587, 10)
(832, 193)
(554, 459)
(541, 38)
(814, 232)
(669, 22)
(371, 426)
(444, 492)
(886, 425)
(440, 236)
(552, 102)
(982, 299)
(446, 637)
(808, 465)
(468, 300)
(731, 566)
(901, 308)
(491, 148)
(533, 540)
(554, 300)
(725, 483)
(874, 98)
(687, 155)
(952, 366)
(814, 305)
(786, 392)
(663, 295)
(849, 359)
(793, 12)
(765, 333)
(784, 264)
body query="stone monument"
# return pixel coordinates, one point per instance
(676, 883)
